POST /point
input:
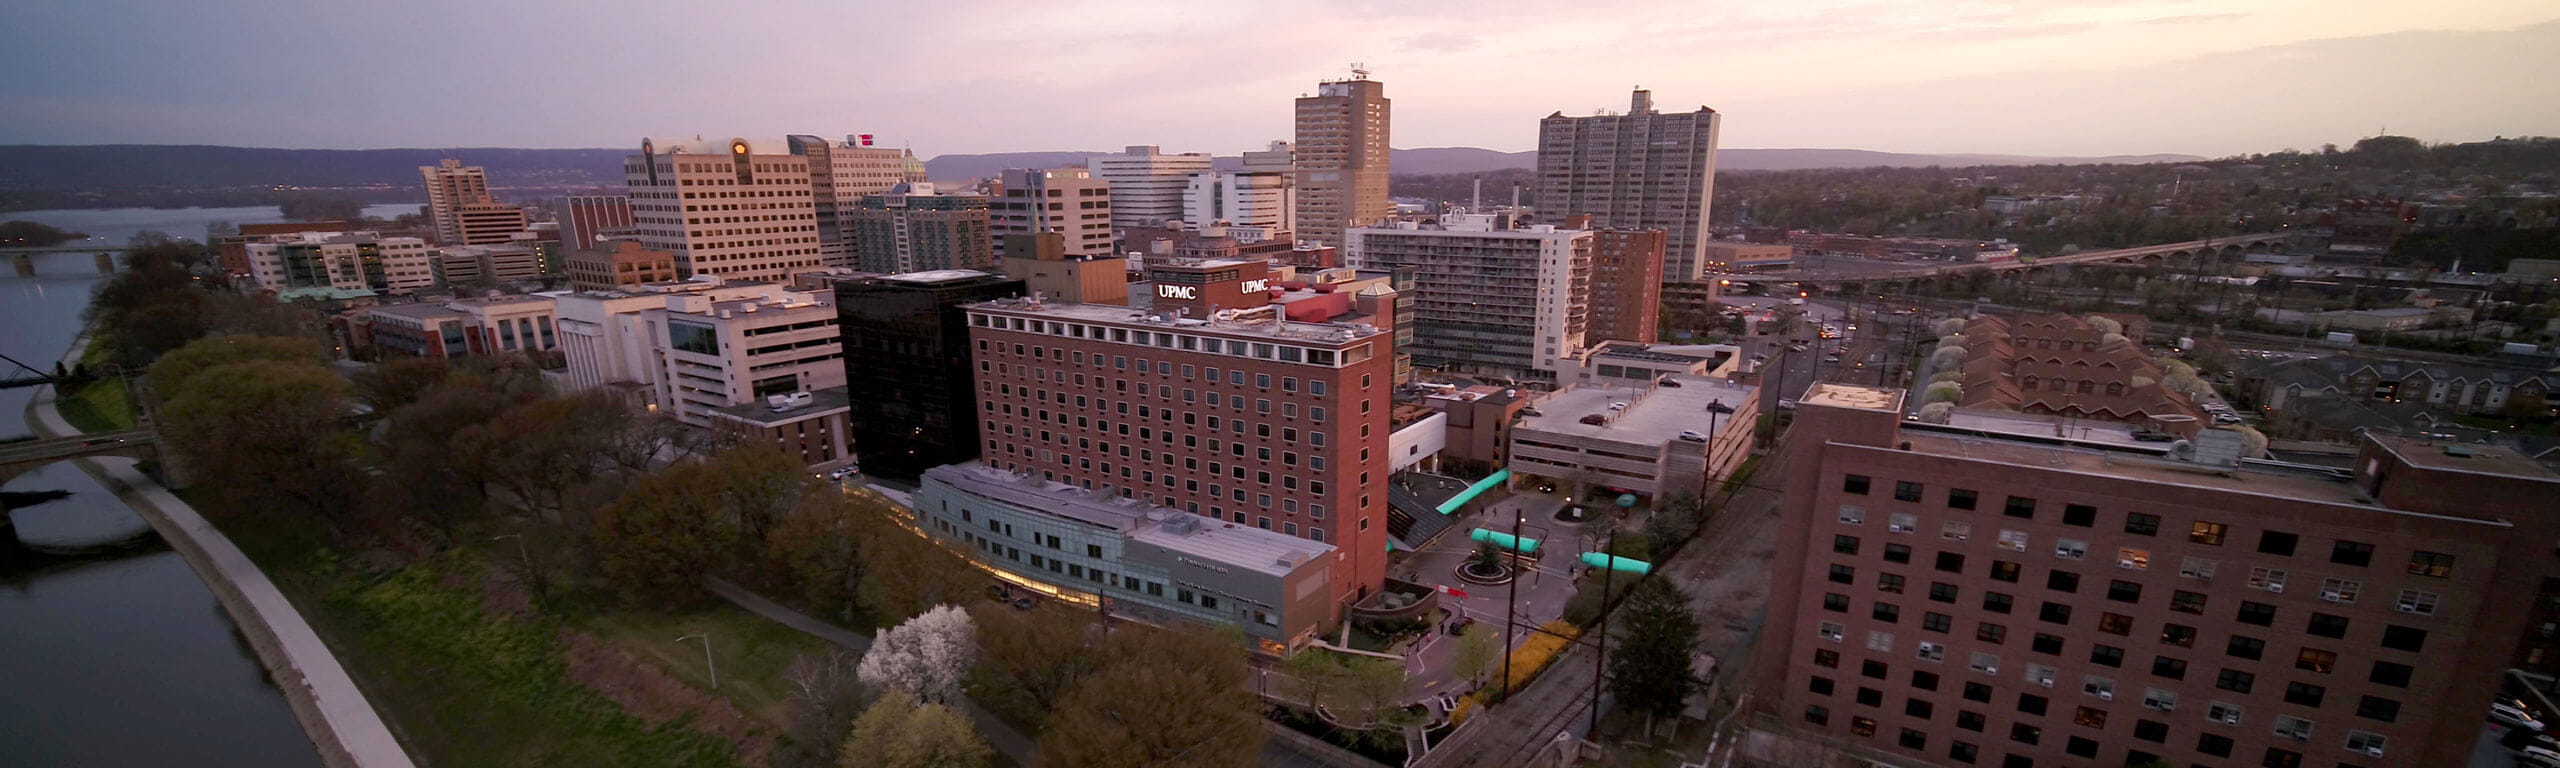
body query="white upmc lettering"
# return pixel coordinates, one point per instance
(1178, 291)
(1257, 286)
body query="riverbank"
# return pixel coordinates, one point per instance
(341, 723)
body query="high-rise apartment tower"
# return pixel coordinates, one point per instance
(1342, 158)
(1640, 170)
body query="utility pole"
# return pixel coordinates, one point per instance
(1600, 659)
(1511, 602)
(707, 663)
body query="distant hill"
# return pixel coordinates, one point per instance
(146, 166)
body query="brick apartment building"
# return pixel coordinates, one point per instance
(1237, 414)
(1626, 284)
(2019, 601)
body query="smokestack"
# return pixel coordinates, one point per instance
(1476, 203)
(1515, 197)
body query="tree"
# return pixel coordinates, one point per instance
(926, 657)
(1950, 327)
(1673, 522)
(762, 484)
(1649, 671)
(267, 433)
(1942, 392)
(541, 450)
(666, 532)
(906, 573)
(819, 547)
(1040, 652)
(824, 696)
(1946, 357)
(900, 732)
(1937, 413)
(390, 384)
(1478, 650)
(1371, 699)
(170, 374)
(1166, 699)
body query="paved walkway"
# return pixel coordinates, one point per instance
(998, 734)
(311, 677)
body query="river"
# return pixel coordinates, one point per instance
(124, 659)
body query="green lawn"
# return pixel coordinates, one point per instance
(751, 653)
(98, 406)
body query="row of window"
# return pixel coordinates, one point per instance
(2215, 744)
(1286, 353)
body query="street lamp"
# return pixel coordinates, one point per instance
(705, 637)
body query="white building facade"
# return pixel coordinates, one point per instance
(1147, 185)
(343, 261)
(716, 353)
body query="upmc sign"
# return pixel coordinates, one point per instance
(1179, 292)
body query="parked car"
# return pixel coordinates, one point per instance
(2226, 418)
(1693, 436)
(2539, 757)
(2513, 715)
(2153, 436)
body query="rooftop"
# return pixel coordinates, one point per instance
(936, 276)
(2307, 483)
(1653, 415)
(2449, 456)
(759, 413)
(1257, 323)
(1848, 396)
(423, 310)
(1254, 549)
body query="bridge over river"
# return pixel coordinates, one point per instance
(2173, 254)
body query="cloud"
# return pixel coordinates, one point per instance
(1440, 42)
(2195, 18)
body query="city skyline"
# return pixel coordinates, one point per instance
(1979, 76)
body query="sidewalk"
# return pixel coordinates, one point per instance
(998, 734)
(347, 730)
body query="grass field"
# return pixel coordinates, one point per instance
(101, 404)
(751, 653)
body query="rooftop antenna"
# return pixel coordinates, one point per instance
(1359, 71)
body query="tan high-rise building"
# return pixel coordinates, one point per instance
(840, 174)
(1147, 184)
(487, 222)
(738, 208)
(450, 186)
(1342, 158)
(1640, 170)
(1068, 201)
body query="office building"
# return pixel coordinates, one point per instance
(1655, 438)
(312, 264)
(1041, 262)
(497, 325)
(1262, 195)
(1128, 557)
(489, 223)
(716, 352)
(469, 267)
(450, 186)
(1489, 300)
(1342, 158)
(608, 342)
(611, 264)
(1640, 170)
(1068, 201)
(809, 426)
(840, 174)
(909, 228)
(585, 219)
(1626, 284)
(739, 209)
(1231, 411)
(913, 405)
(1147, 185)
(2002, 596)
(1724, 258)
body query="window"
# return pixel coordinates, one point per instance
(2050, 645)
(2004, 570)
(2245, 647)
(2054, 613)
(2123, 591)
(2090, 717)
(2019, 507)
(1996, 602)
(1886, 612)
(1826, 658)
(1904, 490)
(1854, 484)
(2203, 532)
(1932, 652)
(2132, 559)
(1833, 631)
(1912, 739)
(2261, 614)
(2174, 669)
(1936, 622)
(1820, 686)
(1984, 663)
(1881, 642)
(1974, 692)
(2079, 515)
(1990, 633)
(2062, 581)
(2399, 638)
(2196, 568)
(1959, 498)
(2184, 601)
(2367, 743)
(2269, 579)
(2014, 541)
(2165, 701)
(1846, 545)
(2277, 543)
(2214, 744)
(1841, 574)
(2294, 728)
(2394, 675)
(2433, 564)
(2376, 708)
(2115, 623)
(2338, 590)
(1926, 681)
(2080, 747)
(2304, 694)
(2025, 734)
(2106, 655)
(1852, 515)
(2179, 635)
(2417, 602)
(2235, 681)
(1955, 531)
(2149, 730)
(1835, 602)
(2354, 553)
(1897, 553)
(1903, 524)
(1817, 714)
(1942, 592)
(1862, 726)
(2141, 524)
(1964, 753)
(2325, 625)
(2100, 687)
(2067, 549)
(2223, 712)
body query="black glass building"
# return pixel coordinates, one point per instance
(907, 370)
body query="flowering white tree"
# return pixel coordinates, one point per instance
(926, 657)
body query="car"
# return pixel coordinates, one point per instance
(1786, 405)
(2540, 757)
(1546, 487)
(1759, 358)
(1693, 436)
(1617, 406)
(2153, 436)
(2226, 418)
(1669, 382)
(2514, 716)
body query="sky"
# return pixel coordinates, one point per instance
(2042, 77)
